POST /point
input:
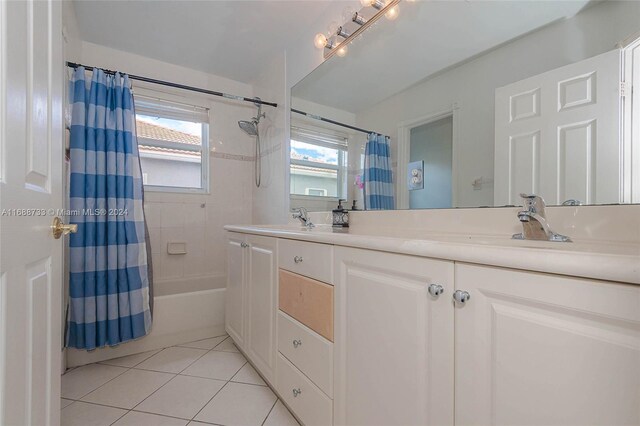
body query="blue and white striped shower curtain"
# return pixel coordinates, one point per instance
(109, 275)
(378, 182)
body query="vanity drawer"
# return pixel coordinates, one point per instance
(309, 301)
(304, 398)
(308, 351)
(309, 259)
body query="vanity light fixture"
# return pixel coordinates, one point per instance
(392, 13)
(333, 45)
(342, 51)
(321, 41)
(342, 33)
(378, 4)
(358, 19)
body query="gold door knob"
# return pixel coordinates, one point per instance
(60, 229)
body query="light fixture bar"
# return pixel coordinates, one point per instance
(330, 52)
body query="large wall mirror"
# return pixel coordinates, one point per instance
(479, 101)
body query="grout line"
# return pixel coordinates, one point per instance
(179, 374)
(126, 369)
(161, 415)
(155, 352)
(269, 413)
(118, 419)
(148, 396)
(115, 377)
(208, 402)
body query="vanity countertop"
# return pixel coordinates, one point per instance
(603, 260)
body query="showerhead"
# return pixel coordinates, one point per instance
(249, 127)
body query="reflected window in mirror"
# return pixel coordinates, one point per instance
(318, 166)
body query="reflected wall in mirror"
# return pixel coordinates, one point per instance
(493, 98)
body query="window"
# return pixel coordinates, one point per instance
(318, 164)
(173, 144)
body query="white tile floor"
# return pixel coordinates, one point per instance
(198, 383)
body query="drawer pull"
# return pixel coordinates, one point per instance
(296, 343)
(461, 297)
(297, 259)
(436, 290)
(296, 392)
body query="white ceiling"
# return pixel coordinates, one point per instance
(233, 39)
(426, 38)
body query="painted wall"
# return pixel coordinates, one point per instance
(196, 219)
(431, 143)
(471, 86)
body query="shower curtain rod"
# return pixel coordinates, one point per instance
(180, 86)
(337, 123)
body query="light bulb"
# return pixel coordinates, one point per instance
(366, 3)
(342, 51)
(320, 40)
(392, 13)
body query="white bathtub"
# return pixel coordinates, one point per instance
(177, 318)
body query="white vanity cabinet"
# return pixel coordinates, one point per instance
(251, 299)
(234, 316)
(304, 376)
(351, 336)
(393, 340)
(544, 349)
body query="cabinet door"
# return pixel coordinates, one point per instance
(538, 349)
(261, 303)
(235, 294)
(393, 341)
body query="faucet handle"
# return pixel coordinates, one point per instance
(299, 211)
(533, 203)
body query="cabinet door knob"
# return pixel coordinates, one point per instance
(297, 342)
(297, 259)
(436, 290)
(244, 245)
(461, 296)
(296, 392)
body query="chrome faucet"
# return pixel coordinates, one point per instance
(534, 221)
(302, 215)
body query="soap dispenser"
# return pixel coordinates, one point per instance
(340, 216)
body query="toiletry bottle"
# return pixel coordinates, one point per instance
(353, 206)
(340, 216)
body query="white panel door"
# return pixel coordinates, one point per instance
(632, 122)
(235, 304)
(539, 349)
(558, 134)
(262, 304)
(31, 182)
(393, 341)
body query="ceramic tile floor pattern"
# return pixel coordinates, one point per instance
(200, 383)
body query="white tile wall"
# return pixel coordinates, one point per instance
(198, 220)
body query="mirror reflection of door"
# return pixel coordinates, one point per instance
(433, 143)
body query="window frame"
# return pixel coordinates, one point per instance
(150, 95)
(316, 137)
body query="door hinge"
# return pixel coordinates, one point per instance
(623, 89)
